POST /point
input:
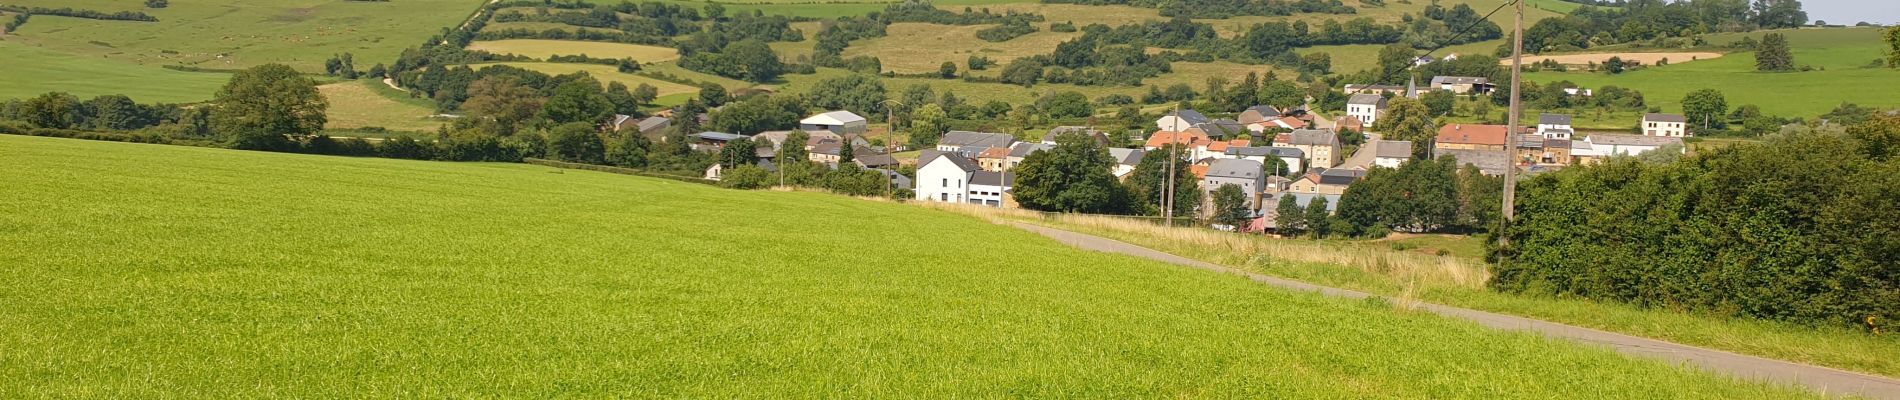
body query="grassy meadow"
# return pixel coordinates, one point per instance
(542, 49)
(1841, 56)
(31, 70)
(233, 34)
(604, 73)
(363, 103)
(250, 274)
(1408, 268)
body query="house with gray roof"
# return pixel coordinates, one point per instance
(945, 177)
(1244, 173)
(1294, 158)
(1554, 126)
(838, 122)
(1126, 160)
(1255, 114)
(1050, 138)
(1391, 153)
(1180, 121)
(955, 140)
(1462, 84)
(1365, 107)
(1672, 125)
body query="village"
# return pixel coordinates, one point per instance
(1270, 154)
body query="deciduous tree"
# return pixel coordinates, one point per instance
(1073, 176)
(263, 105)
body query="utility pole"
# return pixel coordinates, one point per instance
(1510, 137)
(1175, 137)
(890, 135)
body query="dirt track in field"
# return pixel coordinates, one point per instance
(1599, 58)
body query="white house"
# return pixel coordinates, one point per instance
(1669, 125)
(1554, 126)
(1610, 144)
(945, 178)
(839, 122)
(1126, 160)
(1392, 153)
(1181, 120)
(1365, 107)
(1244, 173)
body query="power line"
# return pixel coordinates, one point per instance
(1447, 43)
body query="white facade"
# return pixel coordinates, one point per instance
(1366, 113)
(1665, 125)
(989, 195)
(1389, 162)
(1605, 144)
(943, 180)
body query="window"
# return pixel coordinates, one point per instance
(943, 196)
(946, 182)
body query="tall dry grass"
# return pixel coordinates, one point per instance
(1411, 271)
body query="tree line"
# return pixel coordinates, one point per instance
(1222, 9)
(1796, 228)
(1652, 20)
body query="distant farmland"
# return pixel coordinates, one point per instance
(1841, 56)
(250, 274)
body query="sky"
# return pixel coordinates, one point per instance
(1848, 12)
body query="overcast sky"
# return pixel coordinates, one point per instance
(1848, 12)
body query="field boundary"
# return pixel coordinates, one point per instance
(1829, 381)
(617, 170)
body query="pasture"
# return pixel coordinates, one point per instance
(363, 104)
(1840, 56)
(542, 49)
(911, 48)
(235, 34)
(218, 276)
(31, 71)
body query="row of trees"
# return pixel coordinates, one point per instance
(1222, 9)
(1813, 242)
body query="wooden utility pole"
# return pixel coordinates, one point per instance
(1167, 200)
(1516, 114)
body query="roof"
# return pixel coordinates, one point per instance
(1191, 117)
(874, 160)
(994, 152)
(1200, 171)
(719, 136)
(1264, 111)
(1340, 176)
(1222, 127)
(832, 118)
(1556, 144)
(1394, 149)
(1553, 119)
(828, 148)
(1127, 156)
(1058, 131)
(1358, 87)
(1164, 138)
(1234, 168)
(1313, 137)
(962, 163)
(1459, 80)
(991, 179)
(981, 139)
(652, 123)
(1263, 151)
(1367, 98)
(1025, 149)
(1614, 139)
(1658, 117)
(1472, 134)
(1530, 141)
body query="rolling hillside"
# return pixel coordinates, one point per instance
(248, 274)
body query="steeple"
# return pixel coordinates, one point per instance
(1411, 88)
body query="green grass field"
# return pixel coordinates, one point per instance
(249, 274)
(229, 34)
(1458, 280)
(359, 104)
(31, 71)
(1844, 53)
(542, 49)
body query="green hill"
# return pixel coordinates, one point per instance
(144, 271)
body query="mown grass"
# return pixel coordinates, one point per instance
(911, 48)
(357, 104)
(1844, 53)
(31, 70)
(542, 49)
(229, 34)
(246, 274)
(1458, 280)
(604, 73)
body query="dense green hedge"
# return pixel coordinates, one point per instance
(1802, 227)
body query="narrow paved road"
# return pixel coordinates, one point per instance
(1825, 380)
